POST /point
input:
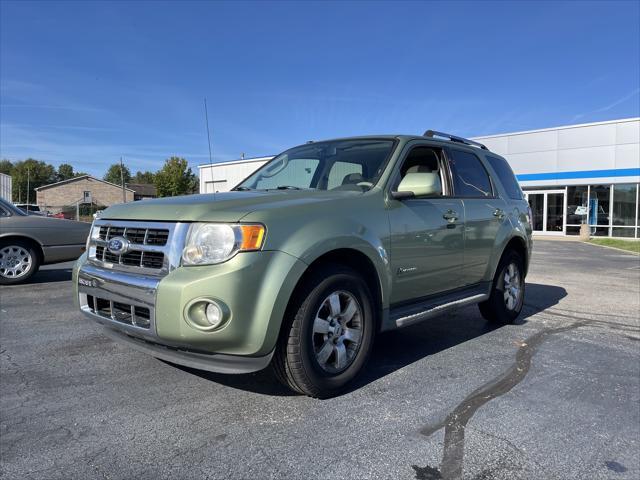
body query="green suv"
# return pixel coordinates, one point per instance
(305, 261)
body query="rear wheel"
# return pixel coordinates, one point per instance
(507, 293)
(328, 334)
(18, 261)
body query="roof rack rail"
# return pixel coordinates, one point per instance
(453, 138)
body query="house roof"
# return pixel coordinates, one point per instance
(75, 179)
(143, 189)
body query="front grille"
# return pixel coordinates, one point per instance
(134, 258)
(151, 245)
(120, 312)
(137, 236)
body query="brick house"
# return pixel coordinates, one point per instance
(84, 190)
(142, 191)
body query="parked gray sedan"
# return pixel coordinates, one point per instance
(28, 241)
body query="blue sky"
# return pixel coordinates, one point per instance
(86, 82)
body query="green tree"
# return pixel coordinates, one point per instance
(65, 172)
(113, 174)
(6, 166)
(143, 177)
(33, 173)
(175, 178)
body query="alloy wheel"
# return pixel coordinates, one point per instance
(15, 261)
(512, 287)
(337, 331)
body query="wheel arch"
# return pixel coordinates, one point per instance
(518, 245)
(354, 259)
(25, 238)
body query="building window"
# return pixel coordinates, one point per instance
(599, 200)
(577, 205)
(624, 204)
(623, 232)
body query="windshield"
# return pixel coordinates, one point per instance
(7, 209)
(335, 165)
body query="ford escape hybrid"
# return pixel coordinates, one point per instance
(304, 262)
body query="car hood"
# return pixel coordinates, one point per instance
(221, 207)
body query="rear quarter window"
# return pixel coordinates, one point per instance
(506, 176)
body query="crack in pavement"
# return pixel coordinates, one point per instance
(451, 466)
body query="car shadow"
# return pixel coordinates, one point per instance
(51, 275)
(398, 348)
(46, 275)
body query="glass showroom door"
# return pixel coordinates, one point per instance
(547, 208)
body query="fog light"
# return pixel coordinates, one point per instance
(214, 314)
(206, 314)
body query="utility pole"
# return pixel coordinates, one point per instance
(124, 194)
(28, 185)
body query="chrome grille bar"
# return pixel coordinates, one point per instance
(128, 314)
(155, 252)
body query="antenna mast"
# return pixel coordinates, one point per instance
(206, 118)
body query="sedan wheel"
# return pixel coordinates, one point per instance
(15, 261)
(18, 262)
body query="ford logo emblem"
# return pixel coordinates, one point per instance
(118, 245)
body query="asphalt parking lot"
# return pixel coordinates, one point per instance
(555, 397)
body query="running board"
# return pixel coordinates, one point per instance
(405, 316)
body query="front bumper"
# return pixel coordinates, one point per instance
(210, 362)
(255, 286)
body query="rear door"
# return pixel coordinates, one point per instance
(426, 233)
(484, 211)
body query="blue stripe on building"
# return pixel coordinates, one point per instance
(616, 172)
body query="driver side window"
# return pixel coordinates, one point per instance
(421, 172)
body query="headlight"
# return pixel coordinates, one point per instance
(210, 243)
(93, 233)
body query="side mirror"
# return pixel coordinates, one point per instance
(418, 185)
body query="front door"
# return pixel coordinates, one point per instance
(547, 209)
(426, 248)
(427, 233)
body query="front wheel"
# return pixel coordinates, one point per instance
(328, 334)
(507, 293)
(18, 262)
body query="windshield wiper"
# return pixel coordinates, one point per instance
(241, 189)
(287, 187)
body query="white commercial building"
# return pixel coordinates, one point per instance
(576, 174)
(222, 177)
(5, 187)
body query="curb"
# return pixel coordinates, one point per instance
(612, 248)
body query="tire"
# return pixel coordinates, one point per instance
(327, 333)
(504, 307)
(19, 261)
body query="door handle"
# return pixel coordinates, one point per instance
(450, 215)
(498, 212)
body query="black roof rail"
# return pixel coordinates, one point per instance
(453, 138)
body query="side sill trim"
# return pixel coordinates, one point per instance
(218, 363)
(438, 309)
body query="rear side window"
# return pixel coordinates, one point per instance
(470, 179)
(506, 176)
